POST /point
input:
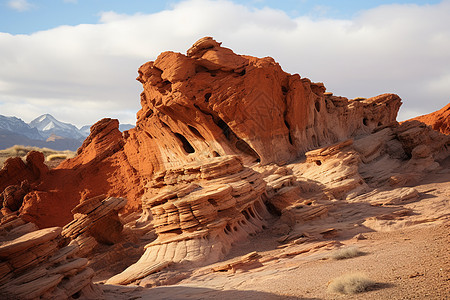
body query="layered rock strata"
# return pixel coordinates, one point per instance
(95, 221)
(215, 102)
(199, 210)
(36, 264)
(208, 103)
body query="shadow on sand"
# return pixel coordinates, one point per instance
(189, 292)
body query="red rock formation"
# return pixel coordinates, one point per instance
(99, 168)
(38, 264)
(199, 211)
(214, 102)
(15, 170)
(208, 103)
(438, 120)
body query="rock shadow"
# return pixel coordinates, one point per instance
(189, 292)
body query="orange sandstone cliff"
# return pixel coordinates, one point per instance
(208, 103)
(438, 120)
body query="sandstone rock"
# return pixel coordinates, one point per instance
(245, 105)
(245, 262)
(15, 170)
(95, 221)
(208, 103)
(389, 197)
(438, 120)
(99, 168)
(38, 264)
(12, 196)
(335, 168)
(199, 211)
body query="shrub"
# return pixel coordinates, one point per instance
(351, 284)
(52, 157)
(347, 252)
(22, 151)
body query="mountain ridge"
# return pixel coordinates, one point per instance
(44, 131)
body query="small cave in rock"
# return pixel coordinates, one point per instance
(289, 132)
(207, 96)
(284, 90)
(365, 121)
(213, 202)
(216, 154)
(225, 129)
(246, 215)
(251, 212)
(272, 209)
(199, 69)
(317, 105)
(318, 162)
(240, 144)
(242, 73)
(176, 231)
(165, 86)
(186, 145)
(244, 147)
(164, 125)
(148, 134)
(196, 132)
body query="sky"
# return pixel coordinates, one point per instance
(78, 59)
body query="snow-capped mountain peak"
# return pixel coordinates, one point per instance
(14, 124)
(48, 125)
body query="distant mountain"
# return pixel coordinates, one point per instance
(18, 126)
(86, 130)
(44, 131)
(48, 125)
(9, 139)
(125, 127)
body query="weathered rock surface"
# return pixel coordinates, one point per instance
(208, 103)
(438, 120)
(220, 138)
(214, 102)
(199, 210)
(95, 221)
(38, 264)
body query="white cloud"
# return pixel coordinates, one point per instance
(20, 5)
(85, 72)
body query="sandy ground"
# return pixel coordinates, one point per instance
(407, 256)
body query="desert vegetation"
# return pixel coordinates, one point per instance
(22, 151)
(347, 252)
(351, 284)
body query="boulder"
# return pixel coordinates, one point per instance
(39, 264)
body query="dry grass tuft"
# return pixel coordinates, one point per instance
(22, 151)
(59, 156)
(347, 252)
(351, 284)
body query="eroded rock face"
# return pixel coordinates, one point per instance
(95, 221)
(15, 170)
(214, 102)
(100, 167)
(38, 264)
(199, 210)
(438, 120)
(208, 103)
